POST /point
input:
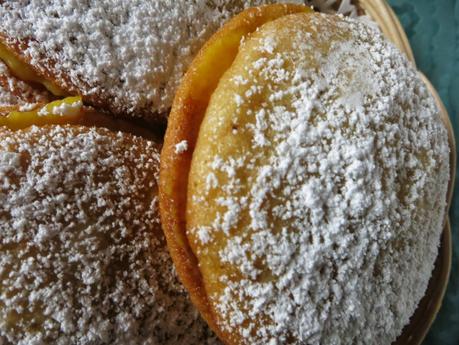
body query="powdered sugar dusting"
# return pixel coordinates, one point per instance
(82, 256)
(132, 52)
(15, 93)
(181, 147)
(346, 177)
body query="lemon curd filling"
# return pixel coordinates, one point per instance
(26, 73)
(61, 111)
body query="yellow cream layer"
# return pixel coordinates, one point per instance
(24, 72)
(58, 112)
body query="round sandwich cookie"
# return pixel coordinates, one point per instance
(303, 181)
(83, 259)
(123, 56)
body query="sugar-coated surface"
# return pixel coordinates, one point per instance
(16, 93)
(82, 256)
(317, 190)
(132, 52)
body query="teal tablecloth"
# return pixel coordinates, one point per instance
(432, 27)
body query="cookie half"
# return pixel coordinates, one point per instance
(304, 184)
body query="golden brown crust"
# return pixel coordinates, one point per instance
(185, 118)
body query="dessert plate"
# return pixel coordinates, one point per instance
(415, 332)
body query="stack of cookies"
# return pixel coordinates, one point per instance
(208, 172)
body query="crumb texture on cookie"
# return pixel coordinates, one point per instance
(317, 189)
(132, 52)
(82, 256)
